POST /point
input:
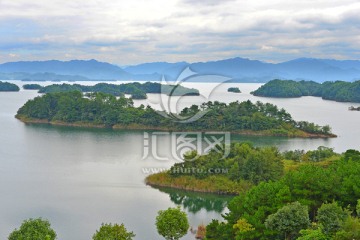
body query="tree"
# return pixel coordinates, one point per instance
(312, 234)
(242, 227)
(331, 216)
(289, 220)
(172, 223)
(218, 231)
(113, 232)
(350, 229)
(34, 229)
(256, 205)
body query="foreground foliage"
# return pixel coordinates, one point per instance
(114, 232)
(313, 186)
(34, 229)
(172, 223)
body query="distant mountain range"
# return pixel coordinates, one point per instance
(237, 69)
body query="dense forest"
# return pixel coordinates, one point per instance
(289, 195)
(101, 109)
(313, 202)
(135, 89)
(32, 86)
(244, 167)
(337, 91)
(8, 87)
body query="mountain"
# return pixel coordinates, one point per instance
(41, 77)
(246, 70)
(320, 70)
(90, 69)
(237, 69)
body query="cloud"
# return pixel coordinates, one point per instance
(126, 32)
(206, 2)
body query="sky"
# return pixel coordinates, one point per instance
(137, 31)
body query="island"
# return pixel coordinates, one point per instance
(339, 91)
(8, 87)
(105, 110)
(32, 86)
(135, 89)
(352, 108)
(234, 90)
(244, 167)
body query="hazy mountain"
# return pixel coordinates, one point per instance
(238, 69)
(320, 70)
(91, 69)
(40, 77)
(246, 70)
(155, 67)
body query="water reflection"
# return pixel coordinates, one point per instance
(195, 202)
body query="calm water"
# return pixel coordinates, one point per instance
(79, 178)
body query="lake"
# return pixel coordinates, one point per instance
(79, 178)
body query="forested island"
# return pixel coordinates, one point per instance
(234, 90)
(105, 110)
(244, 167)
(32, 86)
(339, 91)
(289, 195)
(8, 87)
(135, 89)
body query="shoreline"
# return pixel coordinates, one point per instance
(299, 134)
(218, 185)
(184, 188)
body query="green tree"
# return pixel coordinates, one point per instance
(172, 223)
(33, 229)
(350, 229)
(218, 231)
(289, 220)
(331, 216)
(113, 232)
(242, 227)
(312, 234)
(256, 205)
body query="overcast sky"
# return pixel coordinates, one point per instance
(135, 31)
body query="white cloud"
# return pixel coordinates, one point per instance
(127, 32)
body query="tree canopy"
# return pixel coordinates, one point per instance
(135, 89)
(8, 87)
(172, 223)
(339, 91)
(32, 86)
(34, 229)
(114, 232)
(107, 110)
(312, 185)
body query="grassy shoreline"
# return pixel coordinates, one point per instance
(214, 184)
(294, 134)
